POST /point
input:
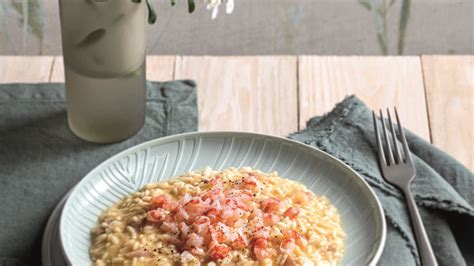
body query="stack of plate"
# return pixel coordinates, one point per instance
(66, 239)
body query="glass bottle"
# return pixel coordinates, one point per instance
(104, 62)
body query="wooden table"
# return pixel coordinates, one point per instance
(278, 94)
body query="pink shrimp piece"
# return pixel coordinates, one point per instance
(287, 245)
(216, 182)
(212, 194)
(262, 232)
(255, 213)
(271, 205)
(181, 215)
(198, 251)
(196, 208)
(185, 199)
(220, 233)
(292, 212)
(231, 215)
(195, 241)
(251, 183)
(270, 219)
(169, 227)
(156, 216)
(184, 228)
(303, 197)
(218, 251)
(300, 240)
(260, 249)
(201, 225)
(240, 242)
(213, 215)
(164, 202)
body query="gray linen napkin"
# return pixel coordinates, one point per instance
(40, 159)
(443, 188)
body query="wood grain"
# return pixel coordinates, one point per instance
(159, 68)
(449, 82)
(256, 94)
(380, 82)
(57, 72)
(32, 69)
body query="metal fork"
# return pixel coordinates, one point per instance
(398, 169)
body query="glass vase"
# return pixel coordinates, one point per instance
(104, 62)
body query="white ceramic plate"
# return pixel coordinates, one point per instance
(361, 213)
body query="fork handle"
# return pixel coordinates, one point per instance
(424, 247)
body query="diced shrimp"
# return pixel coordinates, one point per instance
(198, 251)
(270, 219)
(195, 241)
(213, 215)
(219, 251)
(262, 232)
(303, 197)
(240, 242)
(231, 215)
(164, 202)
(169, 227)
(300, 240)
(213, 194)
(184, 229)
(181, 215)
(255, 213)
(155, 216)
(260, 249)
(216, 182)
(292, 212)
(220, 233)
(196, 208)
(287, 245)
(271, 205)
(201, 225)
(185, 199)
(250, 182)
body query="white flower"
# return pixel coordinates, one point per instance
(214, 5)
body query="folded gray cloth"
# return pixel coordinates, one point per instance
(40, 159)
(443, 188)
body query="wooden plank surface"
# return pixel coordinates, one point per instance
(256, 94)
(380, 82)
(260, 94)
(449, 82)
(159, 68)
(16, 69)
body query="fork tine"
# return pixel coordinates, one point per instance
(398, 156)
(403, 138)
(389, 149)
(379, 141)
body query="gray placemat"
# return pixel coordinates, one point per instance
(443, 188)
(40, 159)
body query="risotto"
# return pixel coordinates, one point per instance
(235, 216)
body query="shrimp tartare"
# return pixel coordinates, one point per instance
(235, 216)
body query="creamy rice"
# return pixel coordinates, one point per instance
(281, 223)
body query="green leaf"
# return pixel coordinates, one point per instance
(403, 23)
(34, 16)
(191, 6)
(366, 4)
(151, 13)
